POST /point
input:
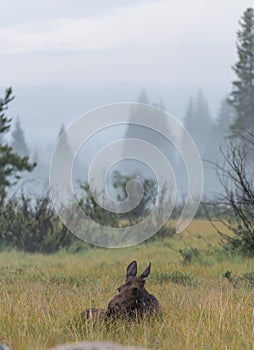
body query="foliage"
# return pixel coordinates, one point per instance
(242, 95)
(33, 226)
(245, 279)
(198, 117)
(66, 153)
(18, 143)
(165, 232)
(11, 164)
(188, 255)
(234, 206)
(178, 277)
(220, 131)
(94, 211)
(119, 182)
(149, 192)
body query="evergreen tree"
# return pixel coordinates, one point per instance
(204, 122)
(160, 104)
(198, 121)
(189, 119)
(143, 97)
(11, 164)
(18, 143)
(242, 94)
(140, 114)
(224, 120)
(220, 131)
(66, 151)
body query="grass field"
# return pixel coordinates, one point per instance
(41, 297)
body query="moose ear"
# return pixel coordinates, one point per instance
(131, 269)
(146, 272)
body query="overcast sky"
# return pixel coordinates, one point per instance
(63, 57)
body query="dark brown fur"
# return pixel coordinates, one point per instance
(132, 302)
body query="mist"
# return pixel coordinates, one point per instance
(66, 61)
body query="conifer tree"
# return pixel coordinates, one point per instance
(220, 131)
(11, 163)
(242, 94)
(143, 97)
(198, 121)
(189, 118)
(18, 143)
(66, 151)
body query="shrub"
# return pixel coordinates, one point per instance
(33, 226)
(188, 255)
(178, 277)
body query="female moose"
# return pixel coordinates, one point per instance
(132, 302)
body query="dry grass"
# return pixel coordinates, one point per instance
(41, 297)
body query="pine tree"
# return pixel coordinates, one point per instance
(189, 119)
(160, 104)
(11, 164)
(224, 120)
(198, 121)
(143, 97)
(139, 114)
(66, 151)
(242, 94)
(204, 122)
(220, 131)
(18, 143)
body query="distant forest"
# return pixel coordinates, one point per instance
(225, 143)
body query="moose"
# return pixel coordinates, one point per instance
(132, 302)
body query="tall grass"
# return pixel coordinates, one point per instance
(41, 297)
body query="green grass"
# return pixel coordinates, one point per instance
(41, 297)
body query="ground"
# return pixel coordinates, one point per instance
(41, 297)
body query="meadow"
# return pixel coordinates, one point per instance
(42, 296)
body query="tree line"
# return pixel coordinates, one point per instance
(225, 143)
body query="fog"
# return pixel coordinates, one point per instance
(68, 57)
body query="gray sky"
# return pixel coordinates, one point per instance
(63, 57)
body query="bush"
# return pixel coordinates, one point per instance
(164, 232)
(188, 255)
(178, 277)
(234, 206)
(34, 227)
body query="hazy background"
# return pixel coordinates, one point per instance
(63, 58)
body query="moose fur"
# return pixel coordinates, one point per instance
(132, 302)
